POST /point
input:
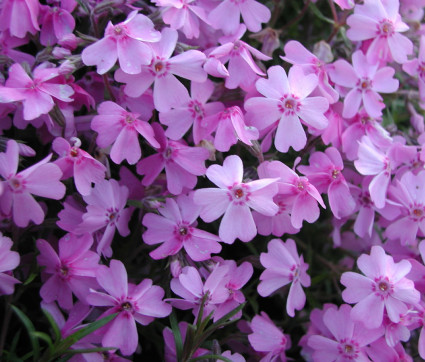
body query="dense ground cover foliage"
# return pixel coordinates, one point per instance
(232, 180)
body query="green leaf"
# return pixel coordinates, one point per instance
(90, 350)
(210, 356)
(31, 277)
(177, 335)
(30, 329)
(226, 317)
(45, 337)
(13, 345)
(317, 12)
(53, 324)
(188, 342)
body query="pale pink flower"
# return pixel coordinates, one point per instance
(226, 15)
(41, 179)
(416, 68)
(140, 303)
(182, 163)
(283, 266)
(36, 93)
(365, 80)
(268, 338)
(106, 210)
(125, 42)
(20, 17)
(348, 340)
(234, 199)
(73, 271)
(286, 101)
(299, 192)
(381, 22)
(121, 128)
(325, 172)
(9, 260)
(77, 163)
(384, 288)
(168, 92)
(175, 228)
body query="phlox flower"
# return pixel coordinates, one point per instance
(193, 111)
(226, 15)
(381, 22)
(297, 54)
(140, 303)
(283, 266)
(125, 42)
(268, 339)
(182, 163)
(9, 260)
(41, 179)
(121, 128)
(384, 287)
(416, 67)
(77, 163)
(20, 17)
(73, 271)
(36, 93)
(168, 92)
(175, 229)
(348, 340)
(325, 172)
(297, 191)
(286, 101)
(56, 24)
(194, 291)
(106, 210)
(234, 199)
(365, 81)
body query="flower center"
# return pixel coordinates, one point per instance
(73, 152)
(118, 30)
(289, 105)
(126, 306)
(168, 153)
(64, 270)
(16, 185)
(238, 193)
(183, 230)
(386, 28)
(382, 287)
(335, 173)
(365, 84)
(129, 119)
(196, 110)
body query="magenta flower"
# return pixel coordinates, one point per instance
(175, 228)
(125, 42)
(73, 271)
(325, 172)
(194, 291)
(168, 92)
(140, 303)
(20, 17)
(226, 15)
(106, 210)
(381, 22)
(234, 199)
(384, 287)
(348, 340)
(182, 163)
(9, 260)
(365, 79)
(77, 163)
(286, 100)
(283, 266)
(36, 94)
(268, 338)
(57, 23)
(121, 128)
(299, 192)
(41, 179)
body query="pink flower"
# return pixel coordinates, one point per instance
(348, 340)
(365, 79)
(168, 92)
(41, 179)
(75, 162)
(140, 303)
(226, 15)
(286, 100)
(36, 94)
(175, 228)
(234, 199)
(284, 266)
(182, 163)
(416, 67)
(383, 288)
(57, 23)
(72, 271)
(381, 22)
(268, 338)
(9, 260)
(325, 172)
(106, 209)
(125, 42)
(20, 17)
(121, 128)
(299, 192)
